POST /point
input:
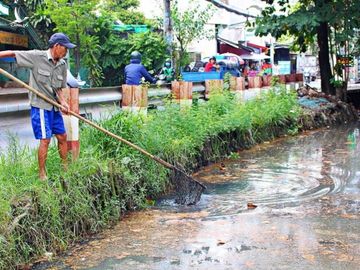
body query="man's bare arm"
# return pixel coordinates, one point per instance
(62, 100)
(4, 54)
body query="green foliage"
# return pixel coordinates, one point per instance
(116, 53)
(227, 79)
(121, 4)
(110, 177)
(333, 22)
(189, 25)
(99, 49)
(33, 5)
(76, 19)
(300, 23)
(337, 83)
(234, 156)
(124, 11)
(302, 19)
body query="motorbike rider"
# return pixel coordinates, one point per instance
(307, 77)
(135, 71)
(167, 71)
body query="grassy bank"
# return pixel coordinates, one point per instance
(110, 178)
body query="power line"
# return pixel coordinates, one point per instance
(229, 8)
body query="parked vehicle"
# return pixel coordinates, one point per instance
(228, 62)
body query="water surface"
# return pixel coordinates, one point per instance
(307, 192)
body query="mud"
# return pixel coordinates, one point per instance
(306, 193)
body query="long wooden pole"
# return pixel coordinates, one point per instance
(54, 103)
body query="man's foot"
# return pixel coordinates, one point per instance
(65, 166)
(43, 177)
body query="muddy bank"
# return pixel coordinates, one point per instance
(316, 112)
(320, 112)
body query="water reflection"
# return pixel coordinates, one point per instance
(307, 192)
(287, 171)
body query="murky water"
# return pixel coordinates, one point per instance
(307, 193)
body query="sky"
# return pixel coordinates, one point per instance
(153, 8)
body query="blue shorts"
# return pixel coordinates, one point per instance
(46, 123)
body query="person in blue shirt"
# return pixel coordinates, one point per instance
(135, 71)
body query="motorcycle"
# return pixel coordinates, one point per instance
(307, 76)
(161, 79)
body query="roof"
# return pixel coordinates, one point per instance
(263, 48)
(235, 45)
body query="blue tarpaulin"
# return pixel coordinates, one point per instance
(313, 103)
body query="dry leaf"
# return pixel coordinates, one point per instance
(250, 205)
(309, 257)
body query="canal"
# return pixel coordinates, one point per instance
(288, 204)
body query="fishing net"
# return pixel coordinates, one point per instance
(188, 190)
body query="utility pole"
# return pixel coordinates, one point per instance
(168, 26)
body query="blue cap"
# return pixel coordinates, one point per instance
(62, 39)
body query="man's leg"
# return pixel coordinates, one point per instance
(40, 121)
(42, 155)
(62, 147)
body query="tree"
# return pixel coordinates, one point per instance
(310, 19)
(116, 47)
(102, 51)
(76, 19)
(116, 51)
(189, 26)
(124, 10)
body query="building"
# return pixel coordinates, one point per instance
(229, 28)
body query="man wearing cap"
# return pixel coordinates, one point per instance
(48, 72)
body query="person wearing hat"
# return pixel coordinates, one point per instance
(135, 71)
(48, 71)
(168, 71)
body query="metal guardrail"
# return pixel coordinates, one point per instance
(17, 101)
(14, 100)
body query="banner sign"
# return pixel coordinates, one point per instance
(13, 39)
(284, 67)
(346, 61)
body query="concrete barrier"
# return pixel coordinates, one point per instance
(213, 85)
(134, 98)
(182, 92)
(255, 82)
(71, 122)
(266, 80)
(237, 84)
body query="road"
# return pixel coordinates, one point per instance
(18, 125)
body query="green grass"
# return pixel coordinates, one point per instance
(110, 178)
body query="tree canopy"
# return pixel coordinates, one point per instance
(330, 23)
(189, 25)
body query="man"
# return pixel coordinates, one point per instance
(48, 71)
(135, 71)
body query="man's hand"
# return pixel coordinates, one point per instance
(65, 107)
